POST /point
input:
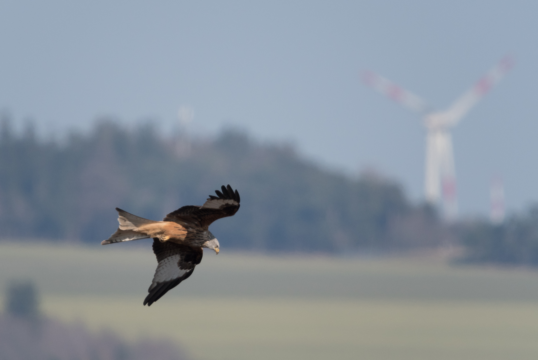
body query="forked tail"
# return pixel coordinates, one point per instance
(127, 231)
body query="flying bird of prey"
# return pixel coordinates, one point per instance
(178, 239)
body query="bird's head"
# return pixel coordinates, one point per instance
(212, 244)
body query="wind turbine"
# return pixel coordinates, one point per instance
(440, 175)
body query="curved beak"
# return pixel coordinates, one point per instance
(216, 250)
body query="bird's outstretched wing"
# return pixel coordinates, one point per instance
(176, 263)
(226, 203)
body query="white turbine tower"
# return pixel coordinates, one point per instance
(496, 193)
(440, 179)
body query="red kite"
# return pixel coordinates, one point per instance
(178, 239)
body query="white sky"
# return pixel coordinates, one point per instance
(289, 71)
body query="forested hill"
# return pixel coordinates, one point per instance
(69, 190)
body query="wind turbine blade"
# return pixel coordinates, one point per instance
(471, 97)
(395, 92)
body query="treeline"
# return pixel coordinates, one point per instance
(25, 334)
(514, 242)
(69, 189)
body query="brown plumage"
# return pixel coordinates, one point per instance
(178, 239)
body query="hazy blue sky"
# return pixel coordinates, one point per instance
(289, 70)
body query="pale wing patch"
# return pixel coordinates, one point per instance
(218, 203)
(167, 270)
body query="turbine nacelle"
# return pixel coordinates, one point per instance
(438, 121)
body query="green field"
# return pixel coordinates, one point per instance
(248, 306)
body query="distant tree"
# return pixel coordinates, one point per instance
(22, 299)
